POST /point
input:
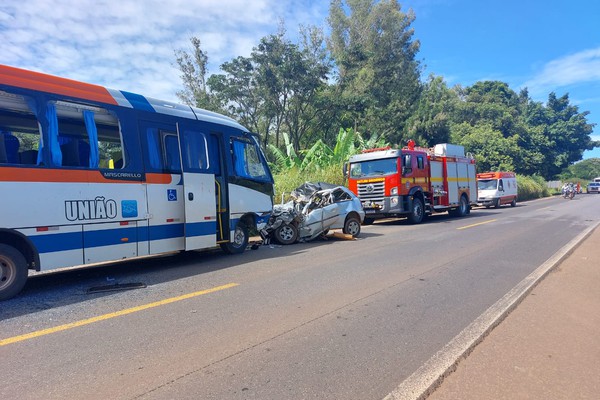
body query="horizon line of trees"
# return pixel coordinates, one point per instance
(365, 76)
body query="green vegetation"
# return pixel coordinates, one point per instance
(365, 78)
(532, 187)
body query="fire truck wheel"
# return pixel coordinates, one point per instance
(418, 211)
(13, 271)
(286, 234)
(352, 226)
(463, 209)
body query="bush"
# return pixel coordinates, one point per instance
(532, 187)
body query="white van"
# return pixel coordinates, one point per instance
(496, 188)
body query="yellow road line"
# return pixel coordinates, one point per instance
(115, 314)
(477, 224)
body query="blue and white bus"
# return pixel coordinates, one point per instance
(90, 175)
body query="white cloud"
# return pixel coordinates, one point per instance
(578, 68)
(130, 46)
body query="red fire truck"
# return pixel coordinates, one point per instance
(413, 182)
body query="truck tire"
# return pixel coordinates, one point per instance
(13, 271)
(497, 204)
(418, 211)
(352, 226)
(286, 234)
(463, 208)
(237, 244)
(513, 203)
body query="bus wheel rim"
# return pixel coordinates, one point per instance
(8, 271)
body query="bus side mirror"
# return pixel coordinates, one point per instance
(345, 170)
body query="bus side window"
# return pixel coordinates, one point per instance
(19, 131)
(195, 149)
(89, 136)
(163, 150)
(246, 159)
(171, 152)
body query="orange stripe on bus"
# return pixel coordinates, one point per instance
(52, 84)
(159, 178)
(12, 174)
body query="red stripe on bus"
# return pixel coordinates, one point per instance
(52, 84)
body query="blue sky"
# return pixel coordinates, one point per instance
(544, 45)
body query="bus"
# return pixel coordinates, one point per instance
(91, 175)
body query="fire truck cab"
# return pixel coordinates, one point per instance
(413, 182)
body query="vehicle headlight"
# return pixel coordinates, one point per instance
(394, 201)
(394, 191)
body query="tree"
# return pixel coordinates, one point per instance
(430, 123)
(291, 78)
(490, 148)
(377, 74)
(238, 92)
(586, 170)
(193, 75)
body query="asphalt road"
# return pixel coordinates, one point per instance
(322, 320)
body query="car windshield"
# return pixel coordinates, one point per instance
(487, 184)
(374, 167)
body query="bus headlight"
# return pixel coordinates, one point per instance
(394, 201)
(394, 191)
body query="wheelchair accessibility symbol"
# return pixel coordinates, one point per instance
(171, 194)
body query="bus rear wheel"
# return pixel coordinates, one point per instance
(238, 242)
(13, 271)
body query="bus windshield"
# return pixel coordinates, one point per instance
(374, 168)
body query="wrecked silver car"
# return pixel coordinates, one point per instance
(315, 209)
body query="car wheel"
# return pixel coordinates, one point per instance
(286, 234)
(352, 226)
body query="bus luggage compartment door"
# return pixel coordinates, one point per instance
(109, 241)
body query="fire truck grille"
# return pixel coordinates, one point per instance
(372, 192)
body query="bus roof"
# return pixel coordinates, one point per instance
(21, 78)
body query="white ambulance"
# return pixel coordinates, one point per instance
(496, 189)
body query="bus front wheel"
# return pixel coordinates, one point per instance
(238, 242)
(13, 271)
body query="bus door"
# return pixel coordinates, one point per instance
(198, 189)
(164, 187)
(216, 155)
